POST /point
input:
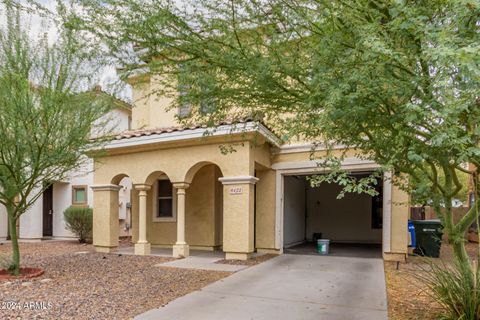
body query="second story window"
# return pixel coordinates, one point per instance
(207, 106)
(199, 94)
(185, 108)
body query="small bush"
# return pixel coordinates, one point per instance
(456, 287)
(79, 220)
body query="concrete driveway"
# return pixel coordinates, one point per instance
(289, 287)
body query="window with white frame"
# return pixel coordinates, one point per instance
(185, 108)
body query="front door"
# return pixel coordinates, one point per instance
(48, 212)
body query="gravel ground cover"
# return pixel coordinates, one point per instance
(250, 262)
(81, 284)
(407, 296)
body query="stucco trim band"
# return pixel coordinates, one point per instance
(142, 187)
(346, 164)
(238, 180)
(306, 147)
(105, 187)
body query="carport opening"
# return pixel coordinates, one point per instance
(353, 224)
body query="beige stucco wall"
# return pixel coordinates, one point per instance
(203, 213)
(265, 210)
(152, 110)
(161, 115)
(306, 155)
(141, 111)
(238, 219)
(158, 232)
(262, 155)
(174, 162)
(200, 208)
(200, 165)
(214, 216)
(218, 231)
(135, 215)
(399, 220)
(105, 226)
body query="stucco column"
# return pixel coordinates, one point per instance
(181, 248)
(238, 216)
(396, 210)
(105, 217)
(142, 247)
(399, 224)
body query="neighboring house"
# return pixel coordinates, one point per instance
(45, 218)
(188, 194)
(3, 223)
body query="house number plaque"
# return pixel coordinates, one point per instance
(236, 190)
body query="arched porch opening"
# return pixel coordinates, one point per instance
(154, 212)
(125, 208)
(204, 207)
(125, 185)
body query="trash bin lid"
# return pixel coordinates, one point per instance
(432, 221)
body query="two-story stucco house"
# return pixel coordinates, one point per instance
(45, 220)
(187, 194)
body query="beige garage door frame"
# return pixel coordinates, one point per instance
(311, 167)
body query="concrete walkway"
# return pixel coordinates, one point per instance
(204, 263)
(289, 287)
(198, 259)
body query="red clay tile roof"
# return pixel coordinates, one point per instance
(149, 132)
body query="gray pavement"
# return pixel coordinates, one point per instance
(198, 259)
(289, 287)
(203, 263)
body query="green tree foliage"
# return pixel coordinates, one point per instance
(397, 81)
(45, 123)
(421, 196)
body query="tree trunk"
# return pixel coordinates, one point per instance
(12, 225)
(457, 243)
(460, 252)
(456, 234)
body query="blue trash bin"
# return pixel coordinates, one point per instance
(411, 231)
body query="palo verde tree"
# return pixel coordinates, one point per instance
(45, 123)
(397, 81)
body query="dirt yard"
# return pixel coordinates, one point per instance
(407, 296)
(81, 284)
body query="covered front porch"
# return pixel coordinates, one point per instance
(190, 196)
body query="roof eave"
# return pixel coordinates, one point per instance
(189, 134)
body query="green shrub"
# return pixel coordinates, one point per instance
(79, 220)
(456, 287)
